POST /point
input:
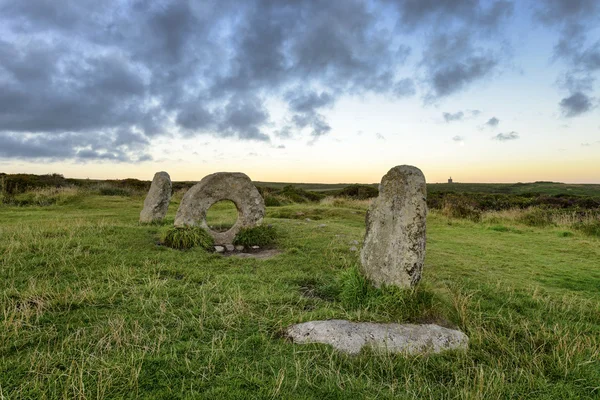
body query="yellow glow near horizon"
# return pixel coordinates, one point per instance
(582, 171)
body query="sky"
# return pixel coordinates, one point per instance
(302, 91)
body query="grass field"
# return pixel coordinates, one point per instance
(91, 307)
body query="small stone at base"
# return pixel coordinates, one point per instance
(239, 247)
(230, 247)
(219, 249)
(256, 247)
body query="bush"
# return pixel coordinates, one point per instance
(536, 217)
(182, 238)
(358, 192)
(20, 183)
(461, 207)
(272, 201)
(257, 236)
(43, 197)
(589, 228)
(298, 195)
(114, 191)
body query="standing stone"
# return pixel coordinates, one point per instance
(234, 186)
(158, 198)
(394, 247)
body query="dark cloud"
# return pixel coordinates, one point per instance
(493, 122)
(186, 68)
(576, 104)
(120, 146)
(462, 46)
(457, 116)
(574, 19)
(452, 63)
(504, 137)
(416, 13)
(305, 106)
(404, 88)
(183, 67)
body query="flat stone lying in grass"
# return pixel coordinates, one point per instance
(350, 337)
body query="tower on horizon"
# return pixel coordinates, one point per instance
(450, 180)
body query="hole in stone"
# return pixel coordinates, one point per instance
(221, 216)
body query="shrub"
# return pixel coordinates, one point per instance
(182, 238)
(298, 195)
(272, 201)
(591, 228)
(536, 217)
(359, 192)
(461, 207)
(257, 236)
(107, 190)
(43, 197)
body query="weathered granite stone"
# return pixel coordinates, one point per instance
(219, 249)
(233, 186)
(239, 247)
(351, 337)
(157, 201)
(230, 247)
(394, 247)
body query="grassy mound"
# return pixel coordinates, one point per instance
(187, 237)
(257, 236)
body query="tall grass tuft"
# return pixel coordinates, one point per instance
(402, 305)
(182, 238)
(42, 197)
(256, 236)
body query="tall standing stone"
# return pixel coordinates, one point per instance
(158, 198)
(394, 247)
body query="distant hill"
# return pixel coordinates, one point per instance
(548, 188)
(19, 182)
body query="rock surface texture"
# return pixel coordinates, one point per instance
(157, 201)
(351, 337)
(394, 247)
(233, 186)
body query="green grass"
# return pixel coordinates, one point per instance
(262, 235)
(221, 216)
(92, 307)
(183, 238)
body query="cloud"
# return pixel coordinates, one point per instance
(457, 116)
(118, 146)
(504, 137)
(187, 68)
(575, 19)
(493, 122)
(576, 104)
(590, 144)
(379, 136)
(458, 138)
(404, 88)
(462, 47)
